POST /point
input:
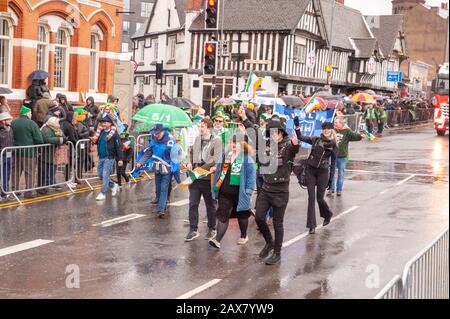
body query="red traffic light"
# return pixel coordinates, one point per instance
(212, 3)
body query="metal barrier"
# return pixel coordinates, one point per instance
(142, 141)
(426, 276)
(87, 162)
(353, 121)
(25, 169)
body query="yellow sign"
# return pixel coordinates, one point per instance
(3, 5)
(329, 68)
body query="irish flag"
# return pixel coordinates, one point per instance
(253, 83)
(312, 106)
(194, 175)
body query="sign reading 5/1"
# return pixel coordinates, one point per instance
(161, 117)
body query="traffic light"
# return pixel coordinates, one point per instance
(210, 60)
(212, 14)
(159, 71)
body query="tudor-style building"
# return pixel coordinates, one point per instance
(276, 39)
(76, 42)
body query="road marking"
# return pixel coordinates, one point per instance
(24, 246)
(394, 173)
(385, 191)
(301, 236)
(198, 290)
(405, 180)
(180, 203)
(119, 220)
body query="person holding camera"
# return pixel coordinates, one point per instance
(320, 168)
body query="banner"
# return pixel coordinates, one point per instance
(310, 123)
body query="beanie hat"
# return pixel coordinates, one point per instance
(265, 117)
(24, 110)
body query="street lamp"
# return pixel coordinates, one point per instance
(329, 67)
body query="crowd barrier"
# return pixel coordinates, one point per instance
(426, 276)
(26, 169)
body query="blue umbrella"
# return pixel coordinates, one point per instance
(38, 75)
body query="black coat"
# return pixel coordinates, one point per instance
(69, 131)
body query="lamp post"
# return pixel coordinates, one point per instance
(329, 67)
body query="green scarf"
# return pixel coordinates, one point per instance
(235, 174)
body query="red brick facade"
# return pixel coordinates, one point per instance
(98, 14)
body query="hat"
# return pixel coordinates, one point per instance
(327, 125)
(105, 119)
(112, 99)
(124, 133)
(220, 114)
(5, 116)
(265, 117)
(251, 106)
(54, 108)
(81, 111)
(275, 123)
(158, 128)
(24, 110)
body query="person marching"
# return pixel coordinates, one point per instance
(234, 184)
(128, 153)
(381, 115)
(344, 137)
(319, 171)
(205, 153)
(275, 190)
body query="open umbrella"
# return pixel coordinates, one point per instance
(362, 97)
(293, 101)
(268, 101)
(5, 90)
(181, 103)
(38, 75)
(168, 115)
(371, 92)
(224, 102)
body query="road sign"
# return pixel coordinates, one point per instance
(394, 76)
(311, 59)
(135, 65)
(372, 66)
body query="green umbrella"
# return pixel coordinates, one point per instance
(167, 115)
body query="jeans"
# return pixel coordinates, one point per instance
(162, 190)
(278, 202)
(6, 173)
(105, 169)
(198, 189)
(341, 164)
(259, 186)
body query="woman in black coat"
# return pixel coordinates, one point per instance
(320, 168)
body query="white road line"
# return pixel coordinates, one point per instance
(296, 239)
(405, 180)
(385, 191)
(24, 246)
(198, 290)
(393, 173)
(119, 220)
(180, 203)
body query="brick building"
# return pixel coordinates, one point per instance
(76, 41)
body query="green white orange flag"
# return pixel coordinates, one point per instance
(194, 175)
(253, 84)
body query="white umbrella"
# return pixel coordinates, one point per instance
(268, 101)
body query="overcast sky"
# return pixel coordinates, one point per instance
(378, 7)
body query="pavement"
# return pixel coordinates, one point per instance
(395, 202)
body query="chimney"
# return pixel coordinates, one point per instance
(444, 5)
(194, 5)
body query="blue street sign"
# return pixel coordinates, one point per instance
(394, 76)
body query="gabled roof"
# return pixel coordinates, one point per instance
(386, 29)
(257, 15)
(347, 23)
(180, 6)
(364, 48)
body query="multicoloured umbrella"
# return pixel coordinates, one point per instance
(363, 97)
(225, 102)
(180, 102)
(168, 115)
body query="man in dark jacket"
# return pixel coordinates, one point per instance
(26, 133)
(64, 105)
(108, 152)
(6, 140)
(69, 128)
(276, 169)
(205, 153)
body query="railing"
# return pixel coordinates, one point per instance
(25, 169)
(142, 141)
(426, 276)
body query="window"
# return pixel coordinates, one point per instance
(300, 53)
(126, 5)
(171, 84)
(5, 50)
(94, 62)
(146, 9)
(142, 48)
(224, 48)
(168, 18)
(126, 28)
(172, 48)
(42, 49)
(155, 49)
(61, 59)
(138, 26)
(125, 47)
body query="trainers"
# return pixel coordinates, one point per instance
(330, 193)
(72, 185)
(211, 234)
(155, 201)
(242, 241)
(214, 243)
(161, 214)
(274, 259)
(266, 250)
(115, 189)
(191, 235)
(339, 194)
(100, 197)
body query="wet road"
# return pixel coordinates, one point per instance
(395, 202)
